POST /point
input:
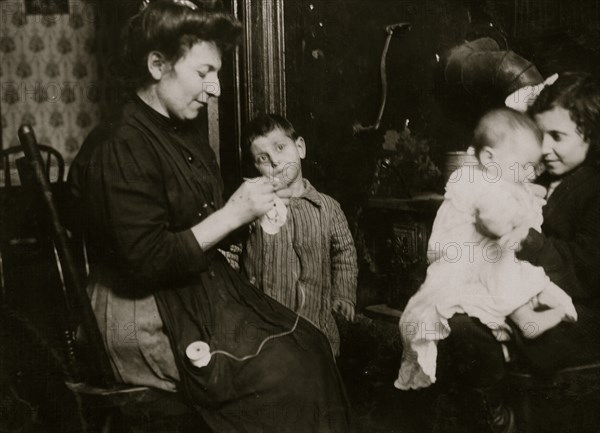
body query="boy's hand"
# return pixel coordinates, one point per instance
(345, 308)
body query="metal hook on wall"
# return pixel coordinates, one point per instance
(390, 29)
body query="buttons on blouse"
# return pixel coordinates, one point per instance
(190, 158)
(205, 206)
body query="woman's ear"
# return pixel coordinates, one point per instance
(486, 155)
(156, 64)
(301, 146)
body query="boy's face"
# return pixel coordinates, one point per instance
(516, 159)
(276, 155)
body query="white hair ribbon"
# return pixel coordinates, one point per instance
(522, 98)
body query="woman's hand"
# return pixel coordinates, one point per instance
(254, 198)
(251, 200)
(282, 190)
(545, 299)
(512, 240)
(284, 193)
(553, 297)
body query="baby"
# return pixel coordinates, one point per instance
(487, 210)
(303, 255)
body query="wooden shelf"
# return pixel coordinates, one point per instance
(422, 202)
(383, 311)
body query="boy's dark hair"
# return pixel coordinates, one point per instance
(172, 28)
(263, 124)
(579, 94)
(497, 125)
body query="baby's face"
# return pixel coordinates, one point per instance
(517, 158)
(278, 157)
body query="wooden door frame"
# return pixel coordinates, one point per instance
(261, 57)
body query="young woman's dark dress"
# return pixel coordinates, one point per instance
(142, 183)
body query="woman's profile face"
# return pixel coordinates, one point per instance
(563, 147)
(183, 88)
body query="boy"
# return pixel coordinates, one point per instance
(309, 265)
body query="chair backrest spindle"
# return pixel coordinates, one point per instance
(72, 279)
(13, 153)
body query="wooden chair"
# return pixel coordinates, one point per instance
(104, 399)
(51, 158)
(566, 401)
(18, 232)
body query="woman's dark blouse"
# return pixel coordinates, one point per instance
(569, 248)
(143, 182)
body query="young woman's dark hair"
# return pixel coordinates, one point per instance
(579, 94)
(172, 27)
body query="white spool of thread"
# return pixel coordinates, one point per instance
(198, 353)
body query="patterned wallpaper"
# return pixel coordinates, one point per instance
(48, 74)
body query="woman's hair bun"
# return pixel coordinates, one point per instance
(172, 27)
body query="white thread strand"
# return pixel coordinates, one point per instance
(270, 337)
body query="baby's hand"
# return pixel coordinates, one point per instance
(538, 190)
(345, 308)
(495, 213)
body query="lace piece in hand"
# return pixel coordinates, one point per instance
(273, 220)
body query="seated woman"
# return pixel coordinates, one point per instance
(488, 283)
(174, 315)
(568, 248)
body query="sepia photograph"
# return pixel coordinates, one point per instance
(300, 216)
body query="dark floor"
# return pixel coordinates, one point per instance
(369, 362)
